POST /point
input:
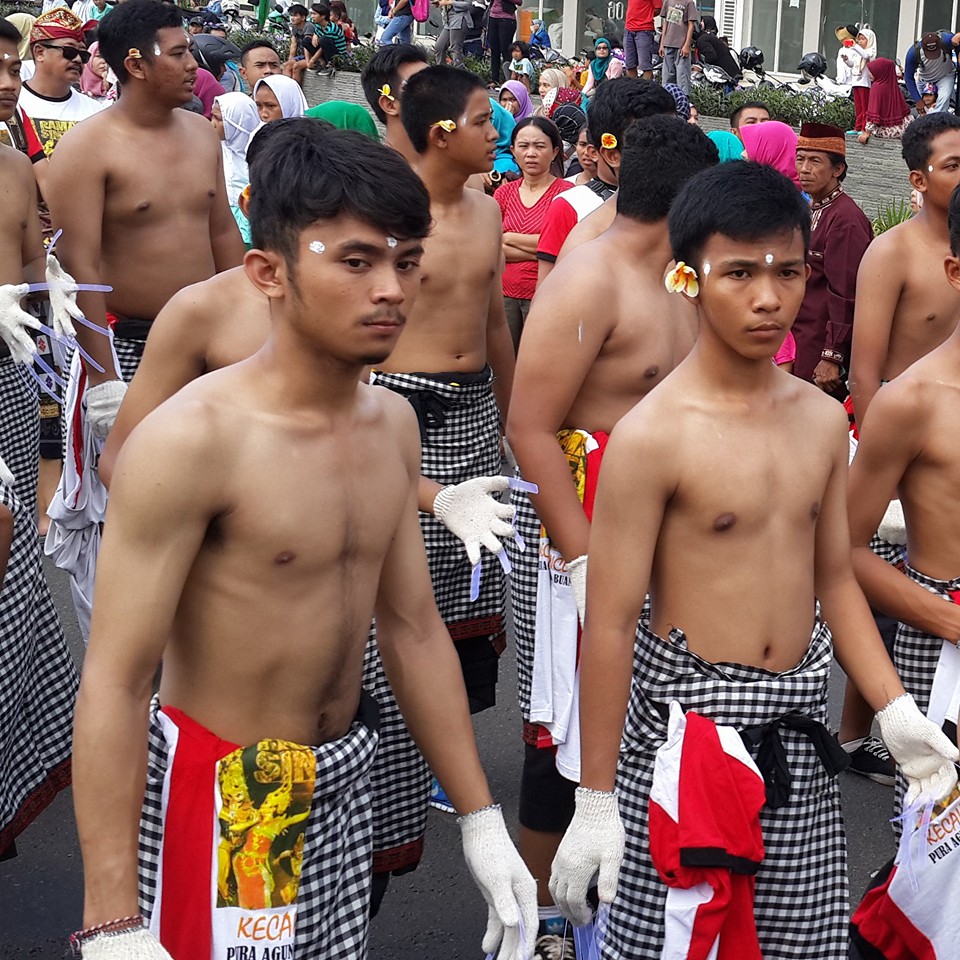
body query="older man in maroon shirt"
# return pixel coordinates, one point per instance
(840, 234)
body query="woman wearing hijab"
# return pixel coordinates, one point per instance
(729, 145)
(24, 23)
(93, 80)
(854, 57)
(604, 66)
(279, 97)
(774, 144)
(515, 98)
(345, 116)
(887, 112)
(234, 117)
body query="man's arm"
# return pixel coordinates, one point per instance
(174, 356)
(162, 499)
(685, 49)
(79, 213)
(500, 353)
(880, 283)
(561, 340)
(891, 437)
(909, 74)
(225, 239)
(6, 539)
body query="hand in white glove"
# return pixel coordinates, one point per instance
(63, 299)
(578, 580)
(469, 511)
(593, 844)
(129, 945)
(893, 526)
(103, 404)
(922, 752)
(504, 881)
(14, 322)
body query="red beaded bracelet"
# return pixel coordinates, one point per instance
(111, 927)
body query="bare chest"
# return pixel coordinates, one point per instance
(926, 314)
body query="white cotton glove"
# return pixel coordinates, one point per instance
(470, 512)
(129, 945)
(14, 322)
(922, 752)
(578, 581)
(63, 299)
(504, 881)
(103, 405)
(593, 844)
(893, 527)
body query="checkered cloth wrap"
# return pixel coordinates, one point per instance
(915, 655)
(129, 353)
(465, 445)
(38, 683)
(523, 594)
(334, 894)
(399, 778)
(894, 553)
(20, 430)
(801, 892)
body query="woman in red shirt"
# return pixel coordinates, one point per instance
(523, 203)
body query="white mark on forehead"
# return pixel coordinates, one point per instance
(6, 56)
(707, 267)
(768, 259)
(156, 49)
(391, 242)
(316, 246)
(930, 168)
(580, 331)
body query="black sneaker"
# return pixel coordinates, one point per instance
(553, 946)
(873, 761)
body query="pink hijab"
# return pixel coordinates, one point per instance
(90, 83)
(772, 143)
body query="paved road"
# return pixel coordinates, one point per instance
(433, 914)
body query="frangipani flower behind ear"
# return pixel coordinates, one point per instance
(135, 53)
(385, 91)
(682, 279)
(448, 125)
(609, 141)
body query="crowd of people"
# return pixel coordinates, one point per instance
(261, 379)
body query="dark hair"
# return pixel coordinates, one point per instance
(524, 49)
(545, 126)
(297, 8)
(748, 105)
(321, 10)
(917, 141)
(709, 24)
(742, 201)
(437, 93)
(382, 69)
(256, 45)
(660, 154)
(134, 24)
(615, 106)
(837, 160)
(9, 32)
(304, 172)
(953, 221)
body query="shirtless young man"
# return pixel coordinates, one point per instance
(904, 309)
(383, 79)
(612, 110)
(455, 359)
(153, 215)
(908, 449)
(724, 493)
(193, 336)
(223, 559)
(583, 364)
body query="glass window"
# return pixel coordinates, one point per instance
(763, 32)
(790, 48)
(937, 15)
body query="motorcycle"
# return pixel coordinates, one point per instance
(815, 82)
(714, 77)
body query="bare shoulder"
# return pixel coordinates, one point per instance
(193, 125)
(401, 421)
(204, 301)
(887, 251)
(13, 163)
(912, 397)
(479, 204)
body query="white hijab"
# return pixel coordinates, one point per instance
(289, 95)
(240, 119)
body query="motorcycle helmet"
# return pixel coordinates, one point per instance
(569, 119)
(212, 53)
(751, 58)
(812, 64)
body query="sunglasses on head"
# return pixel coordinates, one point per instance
(69, 53)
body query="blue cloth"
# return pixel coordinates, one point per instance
(541, 38)
(398, 30)
(911, 64)
(503, 120)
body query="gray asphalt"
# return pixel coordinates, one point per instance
(434, 914)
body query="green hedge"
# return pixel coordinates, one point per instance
(785, 105)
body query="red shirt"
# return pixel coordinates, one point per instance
(520, 277)
(640, 14)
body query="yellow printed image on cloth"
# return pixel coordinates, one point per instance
(266, 793)
(576, 444)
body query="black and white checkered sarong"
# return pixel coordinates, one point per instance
(334, 889)
(523, 595)
(460, 434)
(38, 683)
(129, 353)
(915, 655)
(801, 889)
(399, 778)
(20, 430)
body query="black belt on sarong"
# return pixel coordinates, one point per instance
(131, 328)
(431, 408)
(772, 757)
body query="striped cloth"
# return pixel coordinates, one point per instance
(801, 889)
(334, 880)
(523, 595)
(38, 683)
(20, 430)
